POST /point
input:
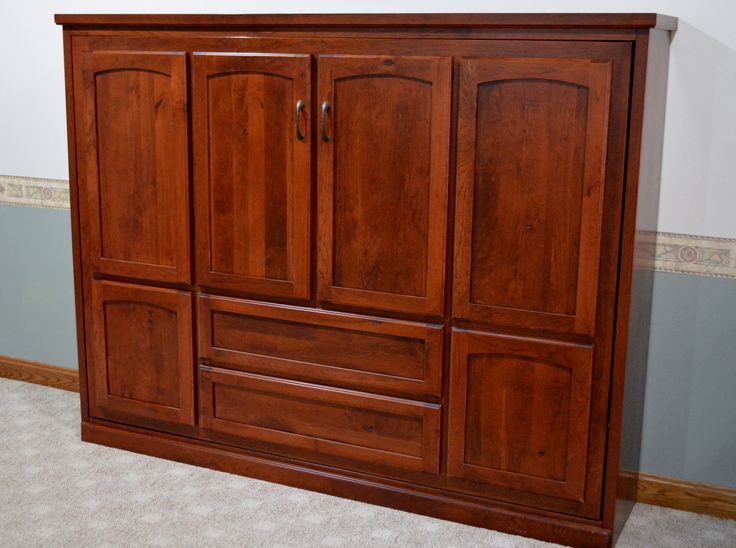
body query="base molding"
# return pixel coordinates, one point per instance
(689, 496)
(39, 373)
(359, 487)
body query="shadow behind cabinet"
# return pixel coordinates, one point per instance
(393, 269)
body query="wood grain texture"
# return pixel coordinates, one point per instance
(39, 373)
(252, 174)
(382, 182)
(520, 414)
(348, 350)
(319, 423)
(532, 137)
(435, 20)
(304, 395)
(131, 120)
(689, 496)
(141, 356)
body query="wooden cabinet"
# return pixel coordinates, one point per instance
(383, 257)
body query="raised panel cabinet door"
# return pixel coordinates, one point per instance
(140, 354)
(532, 141)
(132, 155)
(519, 414)
(251, 130)
(383, 158)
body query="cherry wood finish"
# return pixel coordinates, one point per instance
(252, 172)
(361, 352)
(140, 359)
(468, 188)
(132, 155)
(383, 168)
(531, 157)
(520, 413)
(319, 423)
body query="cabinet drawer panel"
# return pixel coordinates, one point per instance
(317, 422)
(348, 350)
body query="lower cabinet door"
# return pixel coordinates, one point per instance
(519, 415)
(344, 428)
(140, 357)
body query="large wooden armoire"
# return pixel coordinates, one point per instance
(386, 257)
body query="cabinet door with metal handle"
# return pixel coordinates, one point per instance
(382, 181)
(250, 115)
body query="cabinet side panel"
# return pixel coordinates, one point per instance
(641, 209)
(76, 236)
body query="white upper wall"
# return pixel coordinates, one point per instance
(698, 179)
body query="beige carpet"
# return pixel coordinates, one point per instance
(57, 491)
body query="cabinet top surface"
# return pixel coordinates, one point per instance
(414, 20)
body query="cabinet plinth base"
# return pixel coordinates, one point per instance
(392, 494)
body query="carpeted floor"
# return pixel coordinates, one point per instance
(57, 491)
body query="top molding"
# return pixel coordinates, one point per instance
(404, 20)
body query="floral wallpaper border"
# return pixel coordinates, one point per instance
(678, 253)
(33, 192)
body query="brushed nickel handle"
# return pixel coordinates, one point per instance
(299, 108)
(325, 107)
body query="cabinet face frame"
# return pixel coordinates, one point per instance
(295, 68)
(436, 72)
(575, 359)
(103, 403)
(593, 75)
(174, 182)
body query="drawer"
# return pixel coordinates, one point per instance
(361, 352)
(318, 423)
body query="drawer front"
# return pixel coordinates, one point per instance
(361, 352)
(317, 423)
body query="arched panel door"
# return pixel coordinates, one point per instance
(140, 354)
(532, 141)
(520, 419)
(251, 121)
(133, 163)
(382, 181)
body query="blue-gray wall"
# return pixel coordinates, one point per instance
(37, 286)
(690, 405)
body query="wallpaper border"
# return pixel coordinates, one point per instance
(671, 252)
(34, 192)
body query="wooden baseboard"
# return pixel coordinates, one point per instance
(689, 496)
(39, 373)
